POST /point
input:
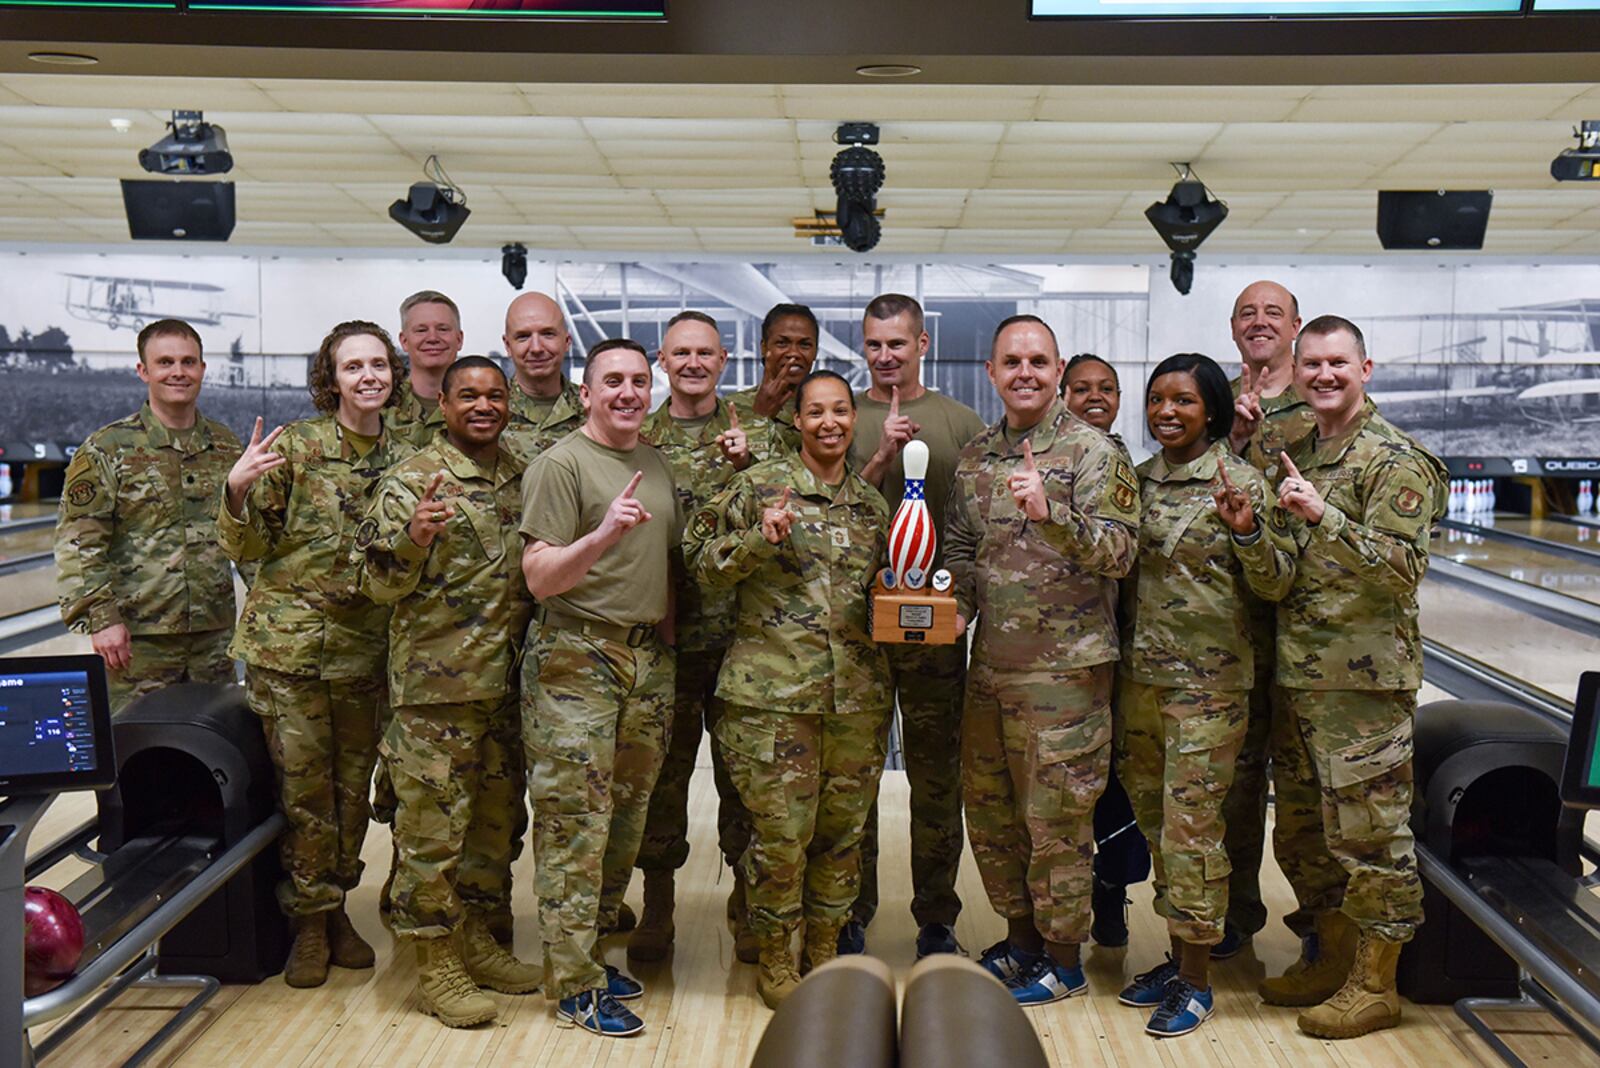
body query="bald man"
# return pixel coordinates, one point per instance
(545, 406)
(1269, 416)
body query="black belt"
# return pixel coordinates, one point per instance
(634, 636)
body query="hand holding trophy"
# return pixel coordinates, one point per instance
(902, 609)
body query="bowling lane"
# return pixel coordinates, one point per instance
(1545, 654)
(25, 542)
(1520, 562)
(26, 510)
(1577, 535)
(23, 591)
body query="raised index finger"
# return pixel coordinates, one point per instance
(1288, 465)
(783, 501)
(433, 487)
(633, 484)
(894, 401)
(1027, 456)
(1222, 473)
(255, 435)
(733, 418)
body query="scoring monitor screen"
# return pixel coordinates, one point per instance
(55, 726)
(1580, 778)
(548, 9)
(1220, 9)
(1543, 6)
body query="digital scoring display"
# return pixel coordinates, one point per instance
(537, 9)
(1222, 9)
(1543, 7)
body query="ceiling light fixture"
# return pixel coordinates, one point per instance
(1184, 220)
(64, 59)
(889, 70)
(857, 175)
(514, 263)
(193, 147)
(1581, 164)
(122, 126)
(433, 210)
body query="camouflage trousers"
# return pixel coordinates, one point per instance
(1342, 780)
(807, 781)
(323, 736)
(666, 826)
(1175, 755)
(455, 769)
(594, 724)
(1035, 750)
(928, 680)
(1244, 811)
(159, 660)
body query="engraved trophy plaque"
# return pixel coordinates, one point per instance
(907, 605)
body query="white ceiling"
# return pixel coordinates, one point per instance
(1025, 170)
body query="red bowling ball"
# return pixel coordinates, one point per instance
(53, 937)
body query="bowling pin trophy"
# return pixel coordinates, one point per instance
(901, 608)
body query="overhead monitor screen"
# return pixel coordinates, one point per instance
(55, 725)
(1542, 6)
(539, 9)
(1222, 9)
(159, 5)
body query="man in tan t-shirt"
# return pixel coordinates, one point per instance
(600, 524)
(928, 680)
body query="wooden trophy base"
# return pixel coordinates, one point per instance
(916, 617)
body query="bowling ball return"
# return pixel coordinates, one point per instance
(176, 883)
(1512, 923)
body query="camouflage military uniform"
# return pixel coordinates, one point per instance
(536, 425)
(1036, 726)
(412, 422)
(704, 629)
(807, 690)
(460, 607)
(1286, 418)
(1187, 667)
(314, 648)
(597, 686)
(769, 436)
(927, 680)
(1349, 663)
(136, 544)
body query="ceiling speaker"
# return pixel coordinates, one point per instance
(178, 211)
(1432, 219)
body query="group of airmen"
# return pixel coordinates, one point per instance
(465, 587)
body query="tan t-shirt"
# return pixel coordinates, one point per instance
(565, 494)
(947, 425)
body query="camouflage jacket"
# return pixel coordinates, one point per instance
(1044, 593)
(768, 437)
(1186, 604)
(700, 472)
(306, 614)
(461, 605)
(136, 534)
(530, 433)
(801, 642)
(410, 422)
(1349, 621)
(1285, 419)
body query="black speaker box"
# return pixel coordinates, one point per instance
(165, 210)
(1432, 219)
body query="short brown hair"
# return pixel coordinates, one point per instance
(889, 305)
(428, 296)
(692, 316)
(1324, 325)
(169, 328)
(323, 381)
(608, 345)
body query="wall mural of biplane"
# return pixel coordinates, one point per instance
(1475, 360)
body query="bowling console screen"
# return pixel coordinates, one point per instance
(1580, 778)
(55, 725)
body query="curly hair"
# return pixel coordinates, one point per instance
(323, 380)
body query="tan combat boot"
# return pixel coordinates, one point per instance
(347, 948)
(746, 950)
(490, 964)
(502, 925)
(1305, 982)
(1367, 1001)
(821, 945)
(444, 987)
(308, 956)
(652, 939)
(776, 978)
